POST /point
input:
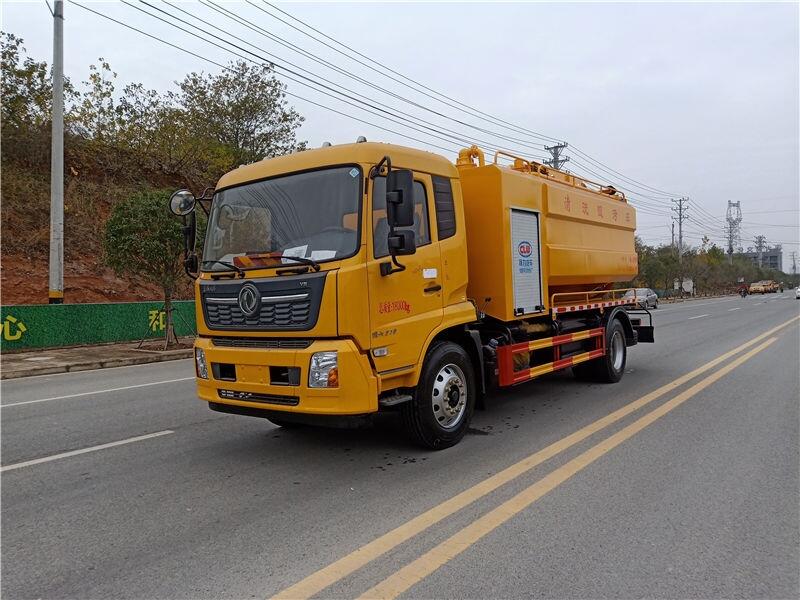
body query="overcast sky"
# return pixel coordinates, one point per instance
(701, 100)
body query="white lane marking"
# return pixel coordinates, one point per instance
(693, 303)
(737, 308)
(698, 317)
(45, 459)
(127, 387)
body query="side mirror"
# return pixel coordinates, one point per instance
(400, 198)
(182, 202)
(401, 243)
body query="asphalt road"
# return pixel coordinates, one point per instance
(119, 483)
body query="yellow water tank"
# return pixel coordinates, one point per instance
(533, 232)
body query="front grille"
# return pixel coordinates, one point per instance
(290, 313)
(263, 398)
(286, 303)
(272, 344)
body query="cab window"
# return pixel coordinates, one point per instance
(380, 225)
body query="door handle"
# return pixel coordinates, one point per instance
(433, 288)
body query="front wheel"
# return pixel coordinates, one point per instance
(440, 412)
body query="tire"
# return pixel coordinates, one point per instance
(611, 367)
(440, 411)
(656, 304)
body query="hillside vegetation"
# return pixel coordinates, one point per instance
(119, 142)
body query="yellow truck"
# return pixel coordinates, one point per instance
(765, 286)
(346, 280)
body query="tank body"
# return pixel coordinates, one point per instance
(526, 223)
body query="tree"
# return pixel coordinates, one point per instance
(26, 108)
(242, 108)
(143, 239)
(96, 116)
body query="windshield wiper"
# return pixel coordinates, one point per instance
(238, 270)
(301, 259)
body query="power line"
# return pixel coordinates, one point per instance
(269, 35)
(771, 225)
(227, 68)
(437, 133)
(480, 113)
(644, 186)
(518, 128)
(393, 115)
(303, 80)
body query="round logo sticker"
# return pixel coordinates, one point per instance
(525, 249)
(249, 300)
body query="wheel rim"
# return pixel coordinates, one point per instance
(449, 396)
(617, 349)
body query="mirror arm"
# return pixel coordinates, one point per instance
(376, 170)
(207, 196)
(189, 234)
(387, 268)
(203, 206)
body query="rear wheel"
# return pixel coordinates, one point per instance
(440, 412)
(611, 367)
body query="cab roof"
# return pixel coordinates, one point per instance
(367, 153)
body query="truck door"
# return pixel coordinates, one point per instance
(405, 306)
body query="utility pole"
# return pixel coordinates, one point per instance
(556, 151)
(761, 245)
(56, 279)
(734, 219)
(681, 208)
(673, 233)
(794, 263)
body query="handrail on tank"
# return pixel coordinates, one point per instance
(531, 166)
(590, 296)
(519, 162)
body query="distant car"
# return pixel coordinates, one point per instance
(645, 297)
(797, 293)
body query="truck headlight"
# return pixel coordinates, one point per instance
(200, 363)
(323, 372)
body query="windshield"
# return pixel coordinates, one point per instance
(311, 215)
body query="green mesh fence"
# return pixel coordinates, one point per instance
(54, 325)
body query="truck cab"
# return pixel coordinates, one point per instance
(302, 306)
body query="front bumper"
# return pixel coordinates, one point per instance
(253, 388)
